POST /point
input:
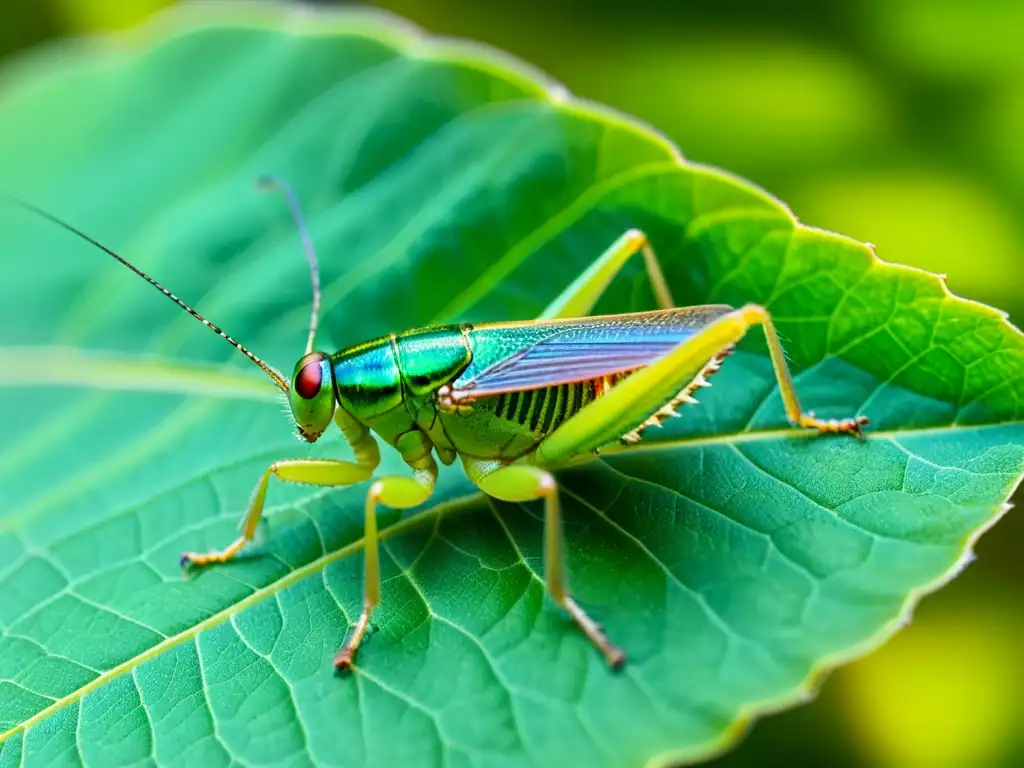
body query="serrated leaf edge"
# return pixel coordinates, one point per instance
(412, 40)
(806, 691)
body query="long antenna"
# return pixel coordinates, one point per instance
(267, 369)
(268, 182)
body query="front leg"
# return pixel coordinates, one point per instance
(310, 471)
(522, 482)
(324, 472)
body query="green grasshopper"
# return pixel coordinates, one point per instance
(513, 400)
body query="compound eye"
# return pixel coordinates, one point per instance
(309, 380)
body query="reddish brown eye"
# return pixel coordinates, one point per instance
(308, 382)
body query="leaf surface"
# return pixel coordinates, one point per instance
(734, 559)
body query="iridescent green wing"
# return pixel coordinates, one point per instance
(511, 357)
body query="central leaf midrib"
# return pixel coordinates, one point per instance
(317, 564)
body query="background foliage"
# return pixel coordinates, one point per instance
(900, 127)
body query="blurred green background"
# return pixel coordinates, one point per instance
(898, 122)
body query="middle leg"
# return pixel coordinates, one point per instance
(392, 491)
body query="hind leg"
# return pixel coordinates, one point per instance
(632, 401)
(521, 482)
(579, 297)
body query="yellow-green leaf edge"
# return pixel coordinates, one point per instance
(392, 30)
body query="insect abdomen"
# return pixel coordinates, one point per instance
(543, 410)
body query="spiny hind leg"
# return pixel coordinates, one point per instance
(753, 314)
(391, 491)
(518, 483)
(635, 399)
(580, 296)
(309, 471)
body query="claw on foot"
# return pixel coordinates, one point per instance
(346, 657)
(835, 426)
(616, 660)
(613, 654)
(345, 660)
(199, 559)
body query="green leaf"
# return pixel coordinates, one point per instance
(734, 559)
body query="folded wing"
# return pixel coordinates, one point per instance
(587, 349)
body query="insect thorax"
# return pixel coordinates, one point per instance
(386, 381)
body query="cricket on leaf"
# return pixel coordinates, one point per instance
(513, 400)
